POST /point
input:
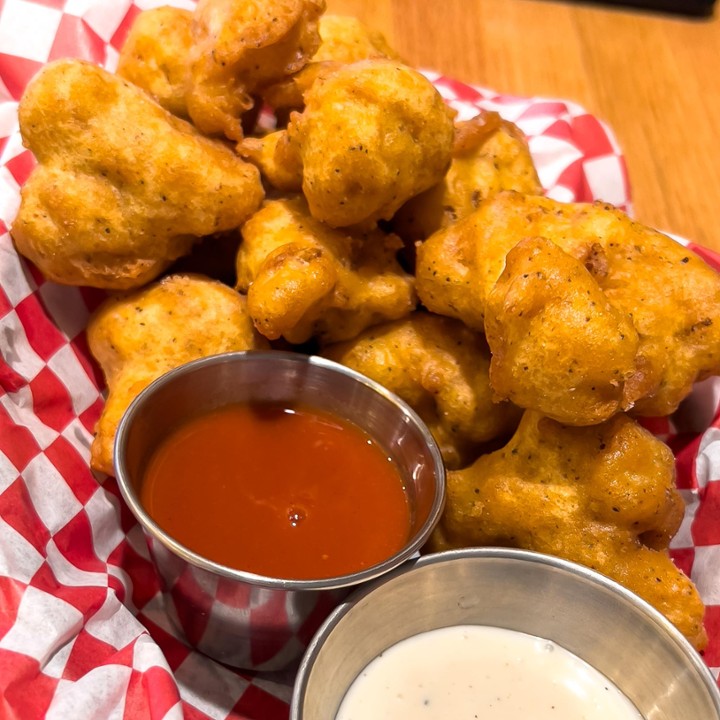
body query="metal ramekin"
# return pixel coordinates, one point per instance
(593, 617)
(240, 618)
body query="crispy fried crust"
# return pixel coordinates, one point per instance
(558, 345)
(277, 158)
(603, 496)
(440, 368)
(343, 40)
(241, 47)
(672, 295)
(372, 135)
(489, 154)
(305, 279)
(154, 56)
(139, 336)
(123, 187)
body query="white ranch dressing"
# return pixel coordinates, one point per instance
(470, 672)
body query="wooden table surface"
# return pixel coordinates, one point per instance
(654, 78)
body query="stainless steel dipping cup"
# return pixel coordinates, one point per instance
(239, 618)
(593, 617)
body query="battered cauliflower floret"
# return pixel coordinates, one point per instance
(122, 187)
(671, 295)
(154, 55)
(558, 345)
(138, 337)
(372, 135)
(306, 280)
(602, 496)
(238, 49)
(440, 368)
(489, 154)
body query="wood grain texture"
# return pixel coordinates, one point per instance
(654, 78)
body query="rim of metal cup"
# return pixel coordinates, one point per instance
(149, 525)
(663, 625)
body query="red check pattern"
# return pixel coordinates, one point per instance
(83, 632)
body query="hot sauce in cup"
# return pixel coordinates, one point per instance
(288, 492)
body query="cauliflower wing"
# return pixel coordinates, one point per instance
(122, 187)
(241, 47)
(489, 154)
(558, 345)
(137, 337)
(306, 280)
(669, 292)
(603, 496)
(440, 368)
(154, 55)
(372, 135)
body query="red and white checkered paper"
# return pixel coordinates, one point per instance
(82, 630)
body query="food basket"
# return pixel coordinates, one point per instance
(82, 630)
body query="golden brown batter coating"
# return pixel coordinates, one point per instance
(240, 48)
(343, 40)
(277, 158)
(489, 154)
(154, 55)
(558, 345)
(373, 134)
(123, 187)
(672, 295)
(138, 337)
(603, 496)
(306, 280)
(440, 368)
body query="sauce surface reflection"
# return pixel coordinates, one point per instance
(288, 492)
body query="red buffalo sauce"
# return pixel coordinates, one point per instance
(284, 492)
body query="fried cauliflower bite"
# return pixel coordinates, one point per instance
(277, 158)
(241, 47)
(558, 345)
(305, 280)
(440, 368)
(343, 40)
(602, 496)
(671, 294)
(139, 336)
(122, 187)
(372, 135)
(489, 154)
(154, 56)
